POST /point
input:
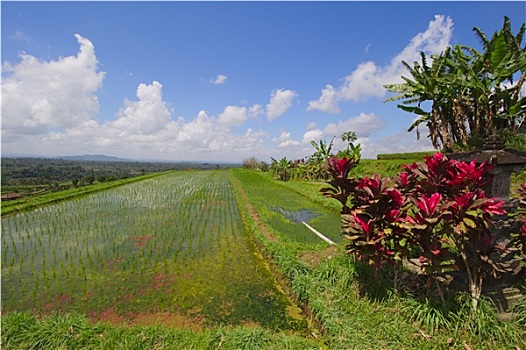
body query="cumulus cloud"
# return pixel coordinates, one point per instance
(368, 79)
(311, 125)
(364, 125)
(236, 115)
(255, 111)
(39, 96)
(328, 101)
(280, 101)
(202, 137)
(49, 106)
(285, 140)
(220, 79)
(148, 115)
(233, 115)
(313, 135)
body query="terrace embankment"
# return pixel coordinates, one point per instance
(270, 235)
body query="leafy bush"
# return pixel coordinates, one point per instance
(436, 208)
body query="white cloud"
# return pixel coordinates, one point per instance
(368, 79)
(280, 102)
(200, 138)
(285, 140)
(148, 115)
(49, 107)
(220, 79)
(313, 135)
(233, 115)
(255, 111)
(39, 96)
(363, 125)
(311, 126)
(328, 101)
(236, 115)
(434, 40)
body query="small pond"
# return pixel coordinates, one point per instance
(296, 216)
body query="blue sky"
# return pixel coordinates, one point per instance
(219, 81)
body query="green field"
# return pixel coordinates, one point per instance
(216, 259)
(172, 248)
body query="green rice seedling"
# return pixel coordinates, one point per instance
(168, 226)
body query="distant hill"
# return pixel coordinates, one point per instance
(94, 157)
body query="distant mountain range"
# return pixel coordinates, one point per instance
(94, 157)
(105, 158)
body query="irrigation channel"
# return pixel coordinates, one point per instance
(171, 249)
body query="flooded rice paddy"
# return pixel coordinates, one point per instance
(171, 250)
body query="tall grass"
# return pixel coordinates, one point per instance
(23, 330)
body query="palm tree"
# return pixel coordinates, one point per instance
(349, 137)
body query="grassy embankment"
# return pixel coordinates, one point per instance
(73, 331)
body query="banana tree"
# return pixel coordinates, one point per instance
(473, 94)
(280, 168)
(317, 160)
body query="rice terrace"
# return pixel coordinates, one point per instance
(171, 250)
(177, 235)
(173, 246)
(196, 259)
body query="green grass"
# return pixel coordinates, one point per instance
(23, 330)
(352, 312)
(268, 194)
(386, 168)
(344, 307)
(408, 156)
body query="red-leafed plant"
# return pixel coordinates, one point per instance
(341, 185)
(520, 237)
(436, 207)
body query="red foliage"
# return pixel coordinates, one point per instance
(426, 207)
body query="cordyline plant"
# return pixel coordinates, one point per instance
(519, 238)
(436, 208)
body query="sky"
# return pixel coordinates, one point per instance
(220, 81)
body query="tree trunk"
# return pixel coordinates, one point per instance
(474, 281)
(475, 288)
